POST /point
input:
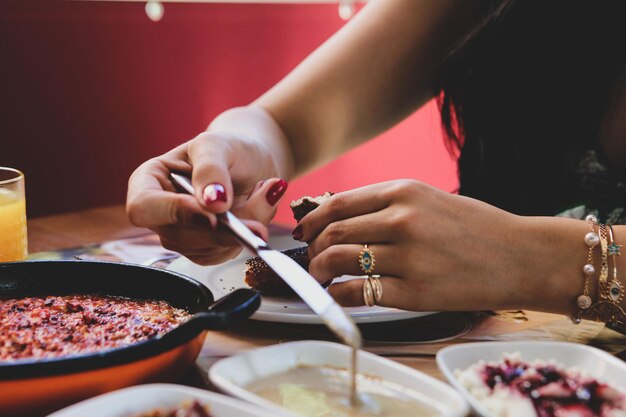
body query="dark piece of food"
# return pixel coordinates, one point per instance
(260, 277)
(194, 409)
(49, 327)
(304, 205)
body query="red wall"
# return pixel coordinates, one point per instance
(88, 90)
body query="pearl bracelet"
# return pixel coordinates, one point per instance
(607, 308)
(583, 301)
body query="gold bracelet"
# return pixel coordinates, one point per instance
(615, 290)
(583, 301)
(603, 280)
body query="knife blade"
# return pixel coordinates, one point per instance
(303, 284)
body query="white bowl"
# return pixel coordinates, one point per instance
(594, 362)
(129, 402)
(233, 374)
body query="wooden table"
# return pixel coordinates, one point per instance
(80, 228)
(110, 223)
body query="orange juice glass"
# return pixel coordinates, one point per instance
(13, 238)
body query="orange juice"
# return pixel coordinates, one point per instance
(13, 239)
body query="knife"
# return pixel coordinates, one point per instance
(311, 292)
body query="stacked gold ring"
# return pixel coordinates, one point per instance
(377, 287)
(368, 293)
(372, 290)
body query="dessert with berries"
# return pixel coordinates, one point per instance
(515, 388)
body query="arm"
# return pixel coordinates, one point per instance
(371, 74)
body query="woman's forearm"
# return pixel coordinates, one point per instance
(372, 73)
(375, 71)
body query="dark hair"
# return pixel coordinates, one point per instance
(530, 82)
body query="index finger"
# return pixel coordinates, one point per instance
(152, 200)
(341, 206)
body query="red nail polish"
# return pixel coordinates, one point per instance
(276, 191)
(297, 232)
(214, 192)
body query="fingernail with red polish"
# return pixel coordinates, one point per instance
(297, 232)
(214, 192)
(276, 191)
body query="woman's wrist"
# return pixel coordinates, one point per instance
(256, 124)
(548, 271)
(550, 264)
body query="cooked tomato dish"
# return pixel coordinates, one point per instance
(49, 327)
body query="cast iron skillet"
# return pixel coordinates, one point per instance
(159, 359)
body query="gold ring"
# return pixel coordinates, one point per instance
(377, 288)
(368, 293)
(372, 290)
(367, 261)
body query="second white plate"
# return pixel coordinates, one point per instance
(227, 277)
(135, 401)
(592, 361)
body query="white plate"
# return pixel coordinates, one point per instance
(129, 402)
(225, 278)
(595, 362)
(232, 374)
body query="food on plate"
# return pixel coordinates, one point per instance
(191, 409)
(53, 326)
(324, 391)
(261, 277)
(512, 387)
(304, 205)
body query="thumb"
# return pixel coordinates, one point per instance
(211, 177)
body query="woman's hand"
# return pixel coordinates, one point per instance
(229, 171)
(433, 250)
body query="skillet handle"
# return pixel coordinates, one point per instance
(226, 311)
(237, 305)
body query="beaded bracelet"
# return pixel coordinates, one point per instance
(583, 301)
(611, 292)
